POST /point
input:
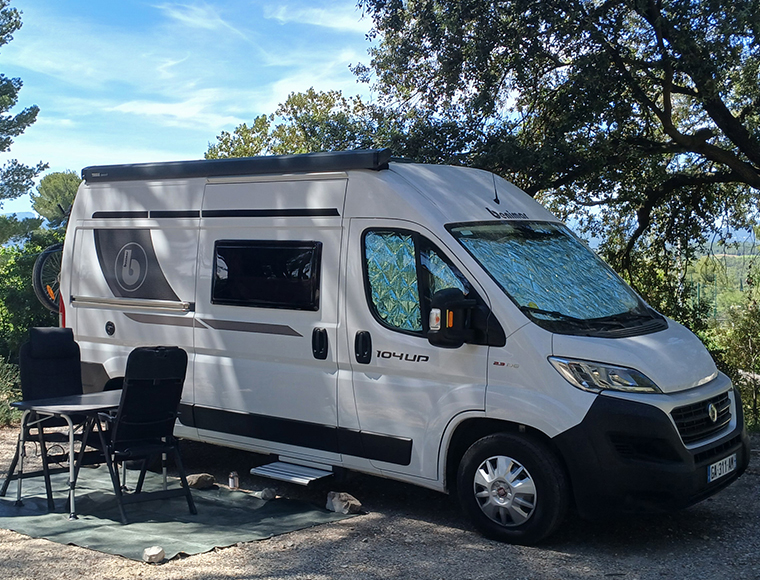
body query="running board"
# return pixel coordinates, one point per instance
(290, 472)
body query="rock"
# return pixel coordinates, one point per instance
(343, 503)
(201, 480)
(266, 494)
(154, 554)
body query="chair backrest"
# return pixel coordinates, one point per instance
(150, 397)
(50, 364)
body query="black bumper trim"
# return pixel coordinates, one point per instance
(627, 456)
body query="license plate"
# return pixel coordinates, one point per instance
(721, 468)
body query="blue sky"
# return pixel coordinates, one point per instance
(134, 81)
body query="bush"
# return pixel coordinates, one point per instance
(10, 391)
(735, 345)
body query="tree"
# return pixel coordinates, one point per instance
(318, 121)
(55, 194)
(19, 308)
(735, 346)
(13, 229)
(15, 178)
(639, 117)
(309, 122)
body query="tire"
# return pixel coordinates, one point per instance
(513, 488)
(46, 276)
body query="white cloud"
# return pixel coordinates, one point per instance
(192, 112)
(201, 16)
(339, 17)
(150, 81)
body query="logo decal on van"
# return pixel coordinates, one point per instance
(403, 356)
(507, 215)
(131, 267)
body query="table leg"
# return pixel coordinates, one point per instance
(21, 453)
(72, 469)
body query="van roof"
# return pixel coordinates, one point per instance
(306, 163)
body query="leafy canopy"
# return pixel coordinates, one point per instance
(15, 178)
(639, 117)
(327, 121)
(55, 194)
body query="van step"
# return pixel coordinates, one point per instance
(289, 472)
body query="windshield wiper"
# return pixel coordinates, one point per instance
(628, 316)
(554, 314)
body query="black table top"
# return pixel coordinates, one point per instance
(73, 404)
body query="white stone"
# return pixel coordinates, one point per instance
(266, 494)
(154, 554)
(343, 503)
(201, 480)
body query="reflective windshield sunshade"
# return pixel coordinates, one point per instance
(546, 269)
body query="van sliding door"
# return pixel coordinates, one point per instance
(266, 314)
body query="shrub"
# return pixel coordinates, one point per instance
(10, 391)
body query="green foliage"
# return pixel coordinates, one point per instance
(10, 391)
(640, 118)
(309, 122)
(55, 191)
(15, 178)
(13, 229)
(317, 121)
(19, 307)
(735, 344)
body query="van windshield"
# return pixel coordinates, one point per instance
(556, 280)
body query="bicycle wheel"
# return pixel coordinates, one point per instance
(46, 276)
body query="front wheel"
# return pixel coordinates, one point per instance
(513, 488)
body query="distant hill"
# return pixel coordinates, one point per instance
(22, 215)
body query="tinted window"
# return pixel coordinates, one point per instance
(267, 274)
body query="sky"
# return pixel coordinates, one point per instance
(133, 81)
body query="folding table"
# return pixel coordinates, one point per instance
(88, 405)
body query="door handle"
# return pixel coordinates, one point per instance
(363, 347)
(319, 343)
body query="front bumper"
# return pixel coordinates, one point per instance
(627, 456)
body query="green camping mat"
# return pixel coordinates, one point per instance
(225, 517)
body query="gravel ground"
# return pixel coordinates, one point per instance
(418, 534)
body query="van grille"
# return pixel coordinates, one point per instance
(694, 423)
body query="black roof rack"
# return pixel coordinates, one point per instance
(376, 159)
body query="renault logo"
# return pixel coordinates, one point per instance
(712, 412)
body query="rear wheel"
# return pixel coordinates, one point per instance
(46, 276)
(513, 488)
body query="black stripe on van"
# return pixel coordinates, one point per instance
(180, 213)
(278, 212)
(119, 214)
(396, 450)
(257, 327)
(162, 319)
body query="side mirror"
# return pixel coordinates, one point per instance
(450, 318)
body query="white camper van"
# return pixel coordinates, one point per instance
(430, 324)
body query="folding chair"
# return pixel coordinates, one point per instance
(142, 427)
(50, 367)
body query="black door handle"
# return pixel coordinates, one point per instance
(363, 347)
(319, 343)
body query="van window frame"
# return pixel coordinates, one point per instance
(420, 241)
(314, 246)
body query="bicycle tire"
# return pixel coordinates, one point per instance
(46, 276)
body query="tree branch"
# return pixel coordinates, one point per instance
(655, 196)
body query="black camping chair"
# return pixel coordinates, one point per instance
(50, 366)
(142, 427)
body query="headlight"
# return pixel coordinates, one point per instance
(596, 377)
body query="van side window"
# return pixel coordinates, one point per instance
(267, 274)
(402, 272)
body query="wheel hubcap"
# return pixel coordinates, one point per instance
(505, 491)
